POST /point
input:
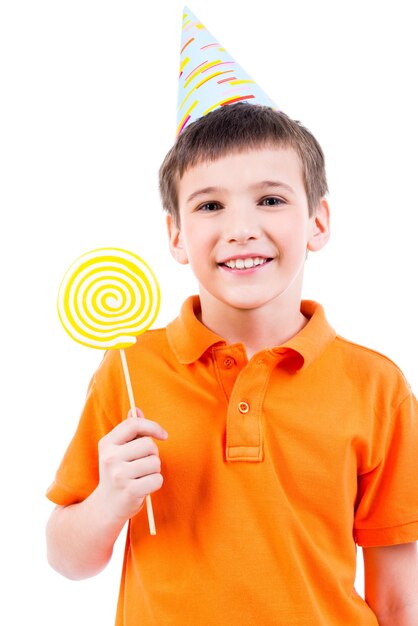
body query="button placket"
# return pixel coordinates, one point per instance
(244, 436)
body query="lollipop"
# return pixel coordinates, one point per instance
(108, 297)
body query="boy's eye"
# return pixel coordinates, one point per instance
(272, 201)
(209, 207)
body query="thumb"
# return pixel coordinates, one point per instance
(139, 413)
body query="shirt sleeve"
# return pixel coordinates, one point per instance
(387, 502)
(78, 473)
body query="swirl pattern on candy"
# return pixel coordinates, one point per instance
(107, 297)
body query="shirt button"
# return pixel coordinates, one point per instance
(243, 407)
(229, 362)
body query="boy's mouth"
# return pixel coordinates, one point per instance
(245, 263)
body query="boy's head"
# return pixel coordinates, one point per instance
(237, 128)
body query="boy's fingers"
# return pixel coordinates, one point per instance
(146, 466)
(139, 447)
(132, 428)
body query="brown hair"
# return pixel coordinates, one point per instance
(235, 128)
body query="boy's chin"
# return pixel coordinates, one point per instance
(242, 303)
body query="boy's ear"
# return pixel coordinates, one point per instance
(175, 239)
(320, 227)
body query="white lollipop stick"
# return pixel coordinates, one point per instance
(150, 512)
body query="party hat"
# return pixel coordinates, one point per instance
(209, 77)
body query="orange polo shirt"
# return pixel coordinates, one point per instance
(274, 469)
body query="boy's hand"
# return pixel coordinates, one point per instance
(129, 465)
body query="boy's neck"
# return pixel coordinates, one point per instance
(257, 329)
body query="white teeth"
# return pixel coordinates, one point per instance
(241, 264)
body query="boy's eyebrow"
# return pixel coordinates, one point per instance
(202, 192)
(276, 184)
(272, 183)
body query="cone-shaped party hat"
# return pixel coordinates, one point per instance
(209, 76)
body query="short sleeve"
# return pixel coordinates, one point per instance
(78, 473)
(387, 503)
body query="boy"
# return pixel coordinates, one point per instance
(287, 444)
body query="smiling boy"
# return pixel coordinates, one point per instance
(288, 444)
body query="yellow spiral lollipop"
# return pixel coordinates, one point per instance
(107, 297)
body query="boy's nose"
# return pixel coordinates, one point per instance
(241, 226)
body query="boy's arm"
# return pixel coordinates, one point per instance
(80, 539)
(80, 536)
(391, 583)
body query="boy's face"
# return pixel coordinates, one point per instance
(245, 228)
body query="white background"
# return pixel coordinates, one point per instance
(88, 97)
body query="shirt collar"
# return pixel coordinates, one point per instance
(313, 339)
(189, 338)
